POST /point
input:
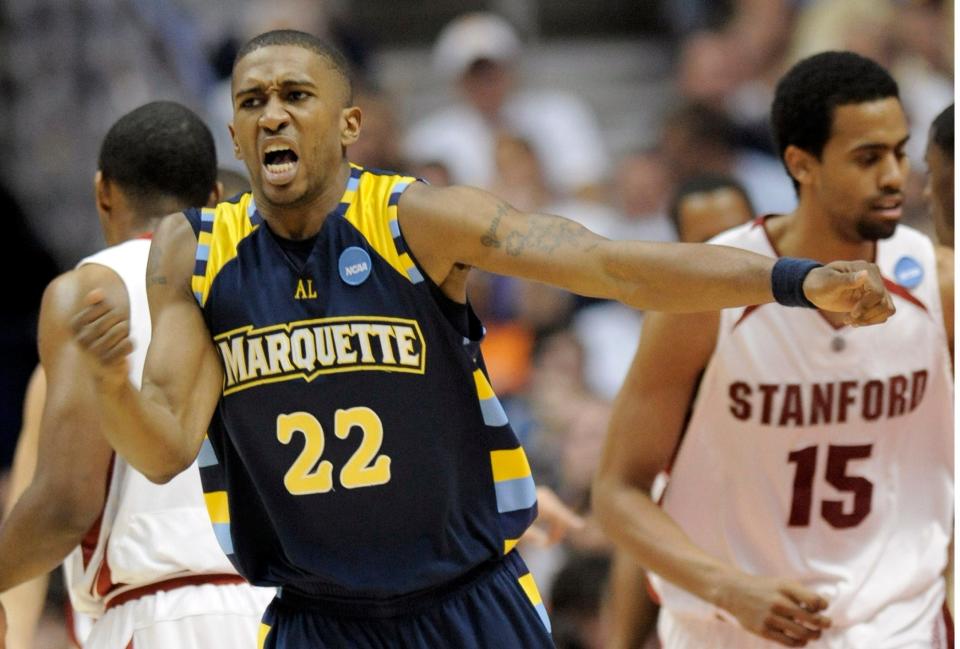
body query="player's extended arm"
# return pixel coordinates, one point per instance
(445, 226)
(68, 487)
(24, 603)
(159, 429)
(645, 426)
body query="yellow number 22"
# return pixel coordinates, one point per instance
(310, 475)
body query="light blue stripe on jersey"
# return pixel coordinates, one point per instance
(222, 532)
(512, 495)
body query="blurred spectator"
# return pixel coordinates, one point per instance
(940, 177)
(704, 206)
(478, 53)
(379, 146)
(697, 139)
(642, 184)
(575, 600)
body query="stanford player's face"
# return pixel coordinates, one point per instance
(862, 170)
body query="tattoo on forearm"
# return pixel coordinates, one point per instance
(489, 239)
(547, 234)
(542, 232)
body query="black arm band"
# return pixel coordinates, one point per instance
(787, 281)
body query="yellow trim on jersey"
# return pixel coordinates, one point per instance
(484, 389)
(509, 465)
(262, 634)
(217, 506)
(231, 224)
(530, 588)
(370, 214)
(509, 544)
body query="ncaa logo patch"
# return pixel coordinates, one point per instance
(354, 265)
(908, 272)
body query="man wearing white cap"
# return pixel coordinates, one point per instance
(478, 51)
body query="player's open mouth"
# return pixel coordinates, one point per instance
(280, 163)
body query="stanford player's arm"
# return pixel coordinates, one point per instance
(159, 429)
(945, 279)
(645, 428)
(24, 604)
(464, 225)
(68, 487)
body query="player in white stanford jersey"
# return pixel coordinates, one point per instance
(143, 558)
(810, 497)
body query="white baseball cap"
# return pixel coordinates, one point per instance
(473, 37)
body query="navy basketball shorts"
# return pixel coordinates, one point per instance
(496, 606)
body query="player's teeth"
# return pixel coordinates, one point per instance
(280, 168)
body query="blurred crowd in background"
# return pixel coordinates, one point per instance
(641, 120)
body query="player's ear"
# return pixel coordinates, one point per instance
(799, 163)
(216, 195)
(350, 120)
(101, 192)
(236, 144)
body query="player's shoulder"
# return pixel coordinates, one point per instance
(750, 235)
(65, 295)
(236, 210)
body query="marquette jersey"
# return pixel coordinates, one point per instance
(147, 533)
(825, 454)
(358, 447)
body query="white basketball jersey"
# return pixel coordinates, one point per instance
(147, 532)
(825, 454)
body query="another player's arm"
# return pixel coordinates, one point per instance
(24, 603)
(631, 613)
(945, 279)
(68, 488)
(644, 430)
(159, 429)
(446, 226)
(945, 276)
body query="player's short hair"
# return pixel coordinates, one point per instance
(703, 184)
(941, 131)
(306, 41)
(806, 96)
(159, 151)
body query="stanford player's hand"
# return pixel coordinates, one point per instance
(103, 331)
(851, 287)
(776, 609)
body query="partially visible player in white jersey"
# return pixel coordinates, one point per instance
(142, 559)
(810, 497)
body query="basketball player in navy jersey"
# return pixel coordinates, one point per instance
(313, 343)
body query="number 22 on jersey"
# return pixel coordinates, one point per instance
(309, 474)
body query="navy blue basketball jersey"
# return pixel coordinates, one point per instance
(358, 447)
